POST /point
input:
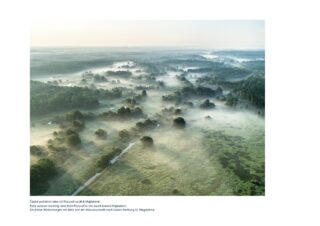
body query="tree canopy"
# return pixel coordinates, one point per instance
(46, 98)
(40, 173)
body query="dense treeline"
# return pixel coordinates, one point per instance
(45, 98)
(122, 114)
(253, 89)
(191, 91)
(223, 72)
(40, 174)
(119, 73)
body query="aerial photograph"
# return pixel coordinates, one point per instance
(147, 108)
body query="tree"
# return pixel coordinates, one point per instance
(207, 104)
(147, 124)
(40, 173)
(253, 89)
(78, 125)
(177, 111)
(73, 139)
(74, 115)
(124, 134)
(219, 90)
(36, 150)
(231, 101)
(104, 160)
(147, 141)
(179, 122)
(100, 133)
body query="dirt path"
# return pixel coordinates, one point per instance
(114, 160)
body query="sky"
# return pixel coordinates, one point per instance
(215, 34)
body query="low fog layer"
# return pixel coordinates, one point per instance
(196, 119)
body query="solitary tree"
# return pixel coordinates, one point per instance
(179, 122)
(147, 141)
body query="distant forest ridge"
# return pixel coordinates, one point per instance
(62, 60)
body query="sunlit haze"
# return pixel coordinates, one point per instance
(193, 34)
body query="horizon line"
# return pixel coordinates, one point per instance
(149, 47)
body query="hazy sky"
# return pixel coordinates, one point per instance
(199, 34)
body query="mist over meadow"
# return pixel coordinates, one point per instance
(147, 121)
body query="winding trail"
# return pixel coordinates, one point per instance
(112, 161)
